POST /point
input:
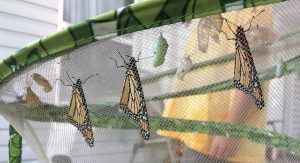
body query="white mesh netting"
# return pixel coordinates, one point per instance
(54, 139)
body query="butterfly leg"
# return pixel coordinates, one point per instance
(229, 25)
(89, 78)
(227, 36)
(117, 63)
(70, 78)
(122, 57)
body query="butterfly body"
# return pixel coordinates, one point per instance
(78, 113)
(132, 100)
(245, 74)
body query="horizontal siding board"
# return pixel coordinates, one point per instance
(3, 154)
(16, 40)
(27, 153)
(4, 136)
(22, 22)
(4, 123)
(46, 3)
(32, 11)
(4, 52)
(26, 26)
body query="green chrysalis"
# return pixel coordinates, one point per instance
(160, 51)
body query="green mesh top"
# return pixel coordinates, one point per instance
(135, 17)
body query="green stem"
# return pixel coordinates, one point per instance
(14, 146)
(220, 60)
(290, 66)
(100, 118)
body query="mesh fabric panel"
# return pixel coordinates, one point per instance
(204, 91)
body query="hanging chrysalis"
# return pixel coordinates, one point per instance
(184, 67)
(203, 33)
(160, 51)
(32, 100)
(40, 80)
(216, 25)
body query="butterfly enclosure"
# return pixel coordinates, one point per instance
(161, 81)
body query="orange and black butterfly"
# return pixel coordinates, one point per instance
(132, 100)
(78, 112)
(245, 74)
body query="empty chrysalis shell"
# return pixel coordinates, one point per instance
(203, 33)
(216, 25)
(184, 67)
(160, 51)
(259, 35)
(40, 80)
(32, 100)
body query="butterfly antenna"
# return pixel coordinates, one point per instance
(139, 57)
(70, 77)
(64, 83)
(121, 57)
(116, 63)
(253, 18)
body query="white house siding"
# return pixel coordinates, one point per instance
(23, 21)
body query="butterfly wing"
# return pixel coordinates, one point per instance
(78, 115)
(242, 73)
(133, 102)
(144, 127)
(245, 75)
(257, 94)
(88, 136)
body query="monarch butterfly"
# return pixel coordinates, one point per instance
(245, 74)
(40, 80)
(78, 113)
(132, 99)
